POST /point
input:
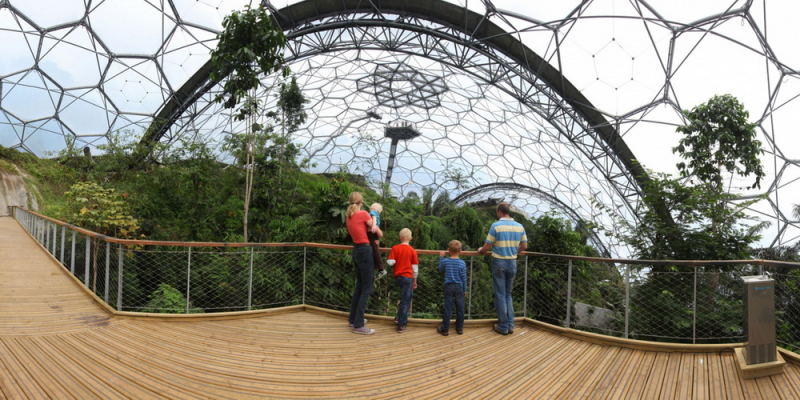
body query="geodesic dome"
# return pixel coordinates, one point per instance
(542, 103)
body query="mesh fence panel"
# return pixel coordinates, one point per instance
(277, 277)
(597, 301)
(787, 306)
(719, 305)
(661, 304)
(547, 290)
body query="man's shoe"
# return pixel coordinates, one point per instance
(365, 322)
(363, 330)
(496, 328)
(510, 331)
(459, 331)
(401, 328)
(443, 332)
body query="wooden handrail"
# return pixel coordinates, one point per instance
(130, 242)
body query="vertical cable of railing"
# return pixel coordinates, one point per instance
(88, 260)
(188, 277)
(119, 278)
(72, 255)
(569, 295)
(469, 304)
(694, 307)
(627, 297)
(108, 264)
(305, 249)
(250, 283)
(525, 291)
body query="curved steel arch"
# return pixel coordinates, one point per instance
(546, 197)
(567, 108)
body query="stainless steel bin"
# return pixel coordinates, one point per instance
(759, 314)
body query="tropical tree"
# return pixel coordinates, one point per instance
(249, 46)
(695, 218)
(101, 210)
(718, 138)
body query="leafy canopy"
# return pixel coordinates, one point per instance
(98, 209)
(718, 137)
(248, 38)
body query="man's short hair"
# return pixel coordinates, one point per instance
(504, 208)
(454, 247)
(405, 233)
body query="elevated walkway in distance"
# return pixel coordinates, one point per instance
(57, 342)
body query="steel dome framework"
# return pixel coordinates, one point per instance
(505, 105)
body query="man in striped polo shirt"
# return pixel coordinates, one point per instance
(506, 239)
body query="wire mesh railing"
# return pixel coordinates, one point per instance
(675, 301)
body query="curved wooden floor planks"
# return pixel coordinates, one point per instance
(57, 342)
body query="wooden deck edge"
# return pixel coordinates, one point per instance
(632, 343)
(789, 356)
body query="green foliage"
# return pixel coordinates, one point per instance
(248, 38)
(719, 137)
(99, 209)
(698, 228)
(166, 299)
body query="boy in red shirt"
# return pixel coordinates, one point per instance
(406, 265)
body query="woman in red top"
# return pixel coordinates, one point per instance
(358, 222)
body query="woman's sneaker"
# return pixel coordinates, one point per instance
(363, 330)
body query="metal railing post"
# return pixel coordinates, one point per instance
(469, 304)
(188, 278)
(119, 278)
(63, 235)
(250, 283)
(305, 271)
(53, 238)
(569, 295)
(108, 263)
(627, 297)
(72, 255)
(694, 308)
(88, 261)
(525, 291)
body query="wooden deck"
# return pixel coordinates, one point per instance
(57, 342)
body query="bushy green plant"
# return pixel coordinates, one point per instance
(168, 300)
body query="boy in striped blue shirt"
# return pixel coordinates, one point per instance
(455, 287)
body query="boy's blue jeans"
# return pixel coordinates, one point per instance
(453, 294)
(406, 293)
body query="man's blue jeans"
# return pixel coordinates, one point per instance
(453, 294)
(365, 283)
(503, 272)
(406, 292)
